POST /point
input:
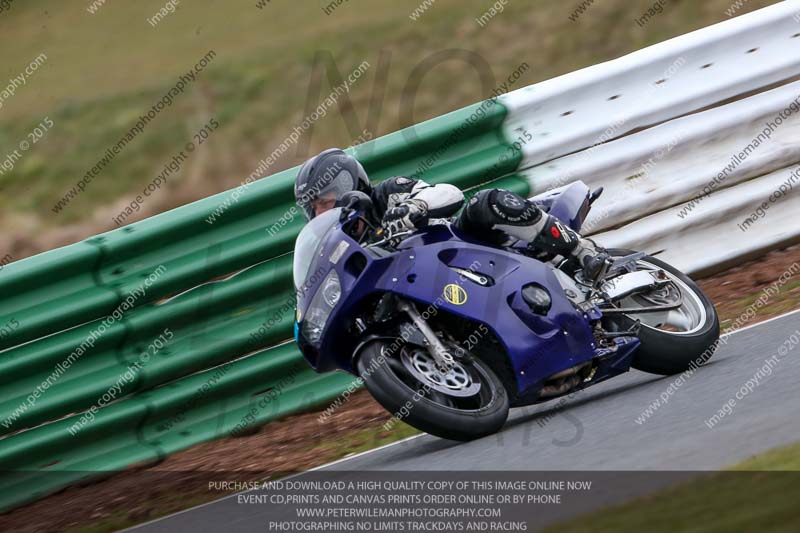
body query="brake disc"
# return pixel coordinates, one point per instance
(456, 382)
(664, 295)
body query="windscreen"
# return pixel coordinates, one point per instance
(305, 247)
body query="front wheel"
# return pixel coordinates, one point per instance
(672, 341)
(463, 404)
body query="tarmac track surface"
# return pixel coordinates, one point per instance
(597, 431)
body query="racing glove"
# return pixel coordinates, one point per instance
(405, 216)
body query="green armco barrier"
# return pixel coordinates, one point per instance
(217, 402)
(514, 183)
(150, 425)
(72, 285)
(66, 381)
(36, 294)
(208, 325)
(216, 274)
(39, 461)
(443, 142)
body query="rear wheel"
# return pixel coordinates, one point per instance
(672, 341)
(465, 403)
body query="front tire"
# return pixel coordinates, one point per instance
(672, 352)
(434, 412)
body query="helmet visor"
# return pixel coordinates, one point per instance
(324, 194)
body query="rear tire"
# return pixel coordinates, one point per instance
(446, 422)
(666, 353)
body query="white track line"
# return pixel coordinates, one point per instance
(385, 446)
(343, 459)
(260, 482)
(767, 321)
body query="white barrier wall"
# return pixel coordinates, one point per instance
(676, 161)
(718, 235)
(658, 83)
(688, 138)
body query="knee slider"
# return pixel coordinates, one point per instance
(510, 208)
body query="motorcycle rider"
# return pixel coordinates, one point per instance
(494, 216)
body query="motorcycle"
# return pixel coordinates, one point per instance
(448, 333)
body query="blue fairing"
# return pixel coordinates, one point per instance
(569, 204)
(536, 346)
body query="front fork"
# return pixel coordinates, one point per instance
(440, 353)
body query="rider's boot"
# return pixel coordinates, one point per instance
(591, 258)
(493, 215)
(558, 238)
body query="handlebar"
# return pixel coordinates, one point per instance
(353, 211)
(388, 238)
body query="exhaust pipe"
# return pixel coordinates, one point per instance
(557, 390)
(569, 371)
(562, 382)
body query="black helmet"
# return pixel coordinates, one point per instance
(330, 174)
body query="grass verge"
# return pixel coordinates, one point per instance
(759, 494)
